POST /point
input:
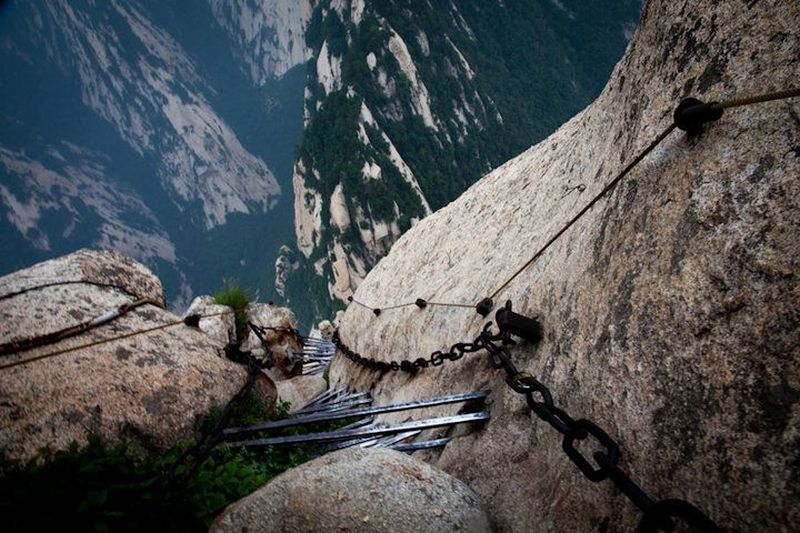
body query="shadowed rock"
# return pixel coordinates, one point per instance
(358, 490)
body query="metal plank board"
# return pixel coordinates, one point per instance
(427, 423)
(379, 409)
(421, 445)
(336, 404)
(394, 439)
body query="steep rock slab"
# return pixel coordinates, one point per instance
(149, 388)
(670, 310)
(358, 490)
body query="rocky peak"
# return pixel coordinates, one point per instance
(268, 36)
(669, 310)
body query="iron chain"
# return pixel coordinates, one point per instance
(601, 466)
(656, 516)
(437, 358)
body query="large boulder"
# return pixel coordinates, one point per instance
(300, 390)
(358, 490)
(150, 387)
(670, 310)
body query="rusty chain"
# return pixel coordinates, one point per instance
(656, 515)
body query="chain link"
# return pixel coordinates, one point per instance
(600, 466)
(656, 516)
(437, 358)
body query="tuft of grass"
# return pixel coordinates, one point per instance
(236, 298)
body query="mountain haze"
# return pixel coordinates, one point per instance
(283, 145)
(142, 127)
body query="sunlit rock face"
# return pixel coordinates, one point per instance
(670, 309)
(146, 389)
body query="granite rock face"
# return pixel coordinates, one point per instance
(107, 269)
(358, 490)
(300, 390)
(149, 388)
(671, 309)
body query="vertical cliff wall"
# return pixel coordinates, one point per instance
(165, 130)
(671, 310)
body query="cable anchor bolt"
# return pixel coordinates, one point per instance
(484, 307)
(193, 321)
(691, 114)
(522, 326)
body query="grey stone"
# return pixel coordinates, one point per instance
(671, 309)
(222, 327)
(148, 388)
(358, 490)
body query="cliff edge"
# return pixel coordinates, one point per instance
(670, 310)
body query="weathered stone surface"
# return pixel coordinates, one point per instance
(671, 310)
(116, 271)
(221, 328)
(265, 389)
(150, 387)
(286, 350)
(358, 490)
(300, 390)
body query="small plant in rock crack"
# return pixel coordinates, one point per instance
(237, 299)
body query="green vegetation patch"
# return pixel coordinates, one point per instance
(104, 487)
(236, 298)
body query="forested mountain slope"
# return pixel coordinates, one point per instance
(408, 103)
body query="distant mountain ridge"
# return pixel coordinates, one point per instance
(115, 132)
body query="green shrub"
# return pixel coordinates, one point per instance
(237, 299)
